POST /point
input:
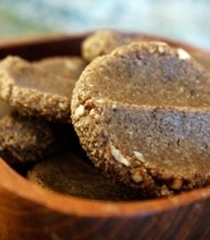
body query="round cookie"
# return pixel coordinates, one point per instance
(40, 89)
(104, 41)
(24, 139)
(142, 115)
(72, 174)
(68, 67)
(100, 43)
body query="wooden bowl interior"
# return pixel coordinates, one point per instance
(34, 213)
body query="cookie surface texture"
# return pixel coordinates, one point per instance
(103, 42)
(24, 139)
(72, 174)
(142, 115)
(39, 89)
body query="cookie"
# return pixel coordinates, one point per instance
(71, 174)
(104, 41)
(67, 67)
(24, 140)
(142, 115)
(35, 89)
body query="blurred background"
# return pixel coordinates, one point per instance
(185, 20)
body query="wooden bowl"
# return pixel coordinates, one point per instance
(29, 212)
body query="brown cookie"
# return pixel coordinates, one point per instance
(142, 115)
(24, 139)
(40, 89)
(103, 42)
(67, 67)
(71, 174)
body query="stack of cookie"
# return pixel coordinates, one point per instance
(36, 98)
(138, 109)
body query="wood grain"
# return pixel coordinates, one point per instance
(30, 212)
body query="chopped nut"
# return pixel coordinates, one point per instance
(164, 191)
(118, 156)
(139, 156)
(151, 49)
(181, 89)
(100, 101)
(183, 54)
(176, 184)
(94, 114)
(62, 105)
(161, 49)
(79, 111)
(114, 107)
(130, 132)
(137, 177)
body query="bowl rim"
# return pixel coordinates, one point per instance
(93, 208)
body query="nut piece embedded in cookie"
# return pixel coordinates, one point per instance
(153, 109)
(40, 89)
